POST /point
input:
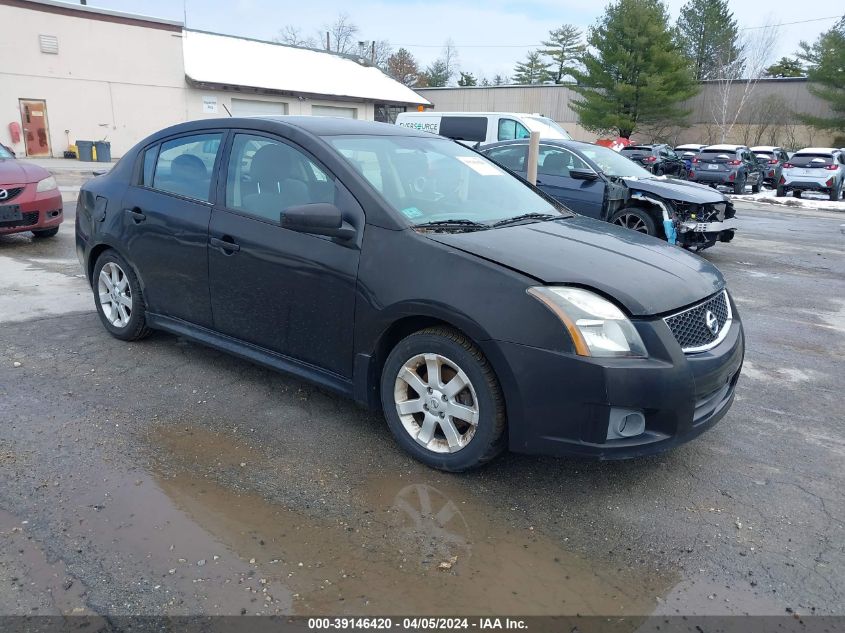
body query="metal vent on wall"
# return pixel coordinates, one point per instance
(49, 44)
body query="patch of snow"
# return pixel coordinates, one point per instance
(808, 200)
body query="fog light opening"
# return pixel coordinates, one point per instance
(625, 423)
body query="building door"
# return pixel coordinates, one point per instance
(35, 133)
(321, 110)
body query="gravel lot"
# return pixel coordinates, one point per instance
(162, 477)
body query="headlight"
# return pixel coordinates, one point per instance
(48, 184)
(597, 326)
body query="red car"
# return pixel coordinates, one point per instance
(29, 198)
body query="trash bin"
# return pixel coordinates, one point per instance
(103, 151)
(85, 150)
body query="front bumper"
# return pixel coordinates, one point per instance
(561, 403)
(39, 211)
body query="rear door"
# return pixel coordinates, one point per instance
(165, 220)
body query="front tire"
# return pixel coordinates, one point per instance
(796, 194)
(739, 185)
(42, 233)
(636, 219)
(118, 297)
(780, 192)
(442, 400)
(834, 193)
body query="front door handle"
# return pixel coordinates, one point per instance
(227, 244)
(136, 215)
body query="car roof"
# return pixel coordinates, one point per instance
(817, 150)
(439, 113)
(686, 145)
(315, 125)
(765, 148)
(724, 147)
(576, 145)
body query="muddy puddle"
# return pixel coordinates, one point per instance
(410, 546)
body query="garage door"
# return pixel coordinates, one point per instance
(318, 110)
(251, 107)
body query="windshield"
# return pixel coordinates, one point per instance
(547, 128)
(4, 153)
(613, 163)
(437, 180)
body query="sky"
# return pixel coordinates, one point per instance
(491, 35)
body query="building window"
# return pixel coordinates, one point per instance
(387, 113)
(49, 44)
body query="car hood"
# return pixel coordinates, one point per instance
(674, 189)
(646, 275)
(15, 172)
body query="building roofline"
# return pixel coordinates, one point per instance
(94, 13)
(570, 84)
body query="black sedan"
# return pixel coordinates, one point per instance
(597, 182)
(410, 273)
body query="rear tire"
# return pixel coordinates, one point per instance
(118, 297)
(435, 424)
(779, 192)
(835, 192)
(739, 185)
(755, 188)
(636, 219)
(796, 194)
(41, 233)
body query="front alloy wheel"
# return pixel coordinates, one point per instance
(442, 400)
(436, 403)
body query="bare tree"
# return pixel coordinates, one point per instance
(737, 76)
(292, 36)
(380, 52)
(341, 35)
(450, 58)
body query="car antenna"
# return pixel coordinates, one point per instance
(226, 109)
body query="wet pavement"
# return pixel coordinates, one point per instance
(162, 477)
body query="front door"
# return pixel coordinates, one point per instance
(288, 292)
(36, 135)
(582, 196)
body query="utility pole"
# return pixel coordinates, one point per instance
(328, 42)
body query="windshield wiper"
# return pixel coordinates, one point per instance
(458, 223)
(526, 216)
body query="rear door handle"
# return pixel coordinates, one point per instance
(227, 244)
(136, 215)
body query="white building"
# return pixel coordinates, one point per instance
(70, 72)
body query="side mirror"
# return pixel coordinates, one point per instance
(319, 219)
(583, 174)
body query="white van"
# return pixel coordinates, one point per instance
(482, 127)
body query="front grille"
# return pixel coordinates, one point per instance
(690, 327)
(10, 193)
(27, 219)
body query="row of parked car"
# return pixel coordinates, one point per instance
(819, 169)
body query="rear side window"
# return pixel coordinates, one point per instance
(464, 128)
(185, 165)
(510, 130)
(811, 160)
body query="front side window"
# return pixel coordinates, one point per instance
(433, 180)
(557, 162)
(266, 176)
(510, 130)
(185, 165)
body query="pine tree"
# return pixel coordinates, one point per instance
(532, 71)
(437, 74)
(636, 76)
(565, 48)
(707, 34)
(826, 74)
(786, 67)
(500, 80)
(467, 79)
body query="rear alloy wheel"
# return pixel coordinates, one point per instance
(442, 400)
(46, 232)
(118, 296)
(636, 219)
